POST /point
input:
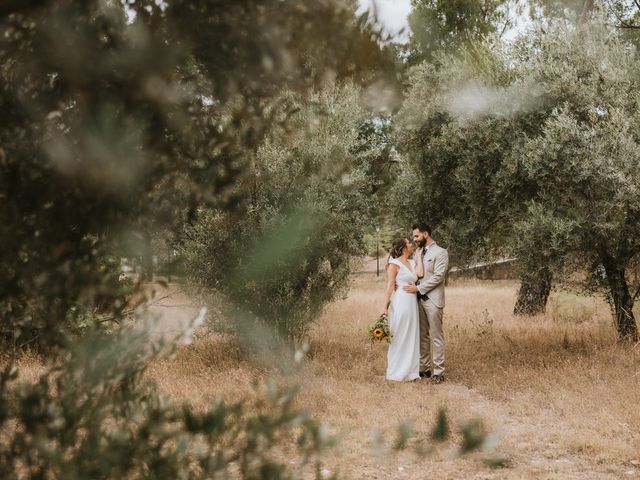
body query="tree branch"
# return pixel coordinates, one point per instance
(116, 318)
(506, 25)
(628, 25)
(622, 23)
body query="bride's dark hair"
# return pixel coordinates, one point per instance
(397, 246)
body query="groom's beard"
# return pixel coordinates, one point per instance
(421, 243)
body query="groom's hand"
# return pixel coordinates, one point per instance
(410, 288)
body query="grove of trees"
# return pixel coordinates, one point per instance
(258, 141)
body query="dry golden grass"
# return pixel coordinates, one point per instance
(29, 365)
(561, 391)
(559, 388)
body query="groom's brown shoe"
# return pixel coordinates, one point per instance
(437, 378)
(425, 374)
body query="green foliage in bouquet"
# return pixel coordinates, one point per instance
(380, 330)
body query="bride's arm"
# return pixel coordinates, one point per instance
(392, 271)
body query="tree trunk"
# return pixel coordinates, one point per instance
(587, 8)
(534, 293)
(147, 258)
(622, 302)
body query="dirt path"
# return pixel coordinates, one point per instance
(526, 442)
(170, 309)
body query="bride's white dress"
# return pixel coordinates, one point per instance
(403, 358)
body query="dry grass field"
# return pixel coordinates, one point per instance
(558, 389)
(563, 396)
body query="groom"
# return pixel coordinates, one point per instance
(430, 290)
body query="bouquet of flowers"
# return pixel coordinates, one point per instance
(380, 330)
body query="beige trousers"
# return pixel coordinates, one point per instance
(431, 332)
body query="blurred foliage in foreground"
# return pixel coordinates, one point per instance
(97, 417)
(119, 122)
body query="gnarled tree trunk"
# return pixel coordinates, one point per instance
(587, 9)
(147, 258)
(534, 291)
(622, 301)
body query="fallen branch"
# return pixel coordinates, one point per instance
(126, 313)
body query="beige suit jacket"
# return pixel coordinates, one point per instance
(436, 264)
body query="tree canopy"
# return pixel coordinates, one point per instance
(447, 25)
(546, 142)
(118, 122)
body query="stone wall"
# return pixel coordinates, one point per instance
(507, 269)
(503, 269)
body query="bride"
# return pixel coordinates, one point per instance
(403, 358)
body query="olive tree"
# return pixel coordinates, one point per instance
(456, 130)
(448, 25)
(310, 197)
(461, 122)
(542, 163)
(585, 162)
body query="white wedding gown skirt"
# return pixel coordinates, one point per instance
(403, 357)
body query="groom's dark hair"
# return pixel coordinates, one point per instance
(423, 227)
